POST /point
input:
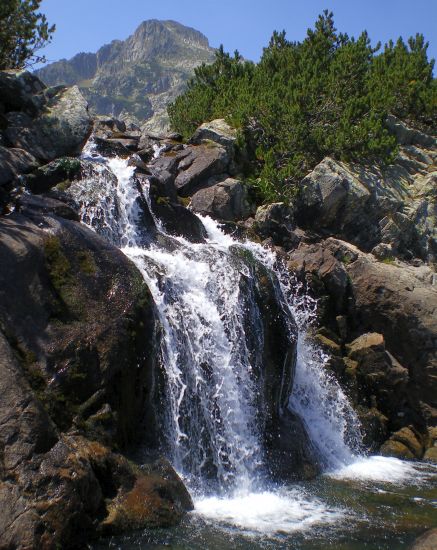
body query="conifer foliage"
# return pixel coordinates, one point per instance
(327, 95)
(23, 31)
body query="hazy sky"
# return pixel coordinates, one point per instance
(246, 25)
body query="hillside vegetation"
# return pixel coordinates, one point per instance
(327, 95)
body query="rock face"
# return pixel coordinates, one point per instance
(389, 375)
(77, 379)
(39, 125)
(391, 210)
(135, 79)
(78, 337)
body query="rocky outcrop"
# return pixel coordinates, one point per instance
(77, 362)
(287, 447)
(60, 128)
(392, 372)
(39, 125)
(388, 210)
(78, 338)
(137, 78)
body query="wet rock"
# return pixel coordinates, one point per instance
(293, 456)
(328, 345)
(431, 455)
(224, 199)
(396, 449)
(179, 221)
(33, 206)
(62, 170)
(313, 262)
(374, 427)
(60, 127)
(288, 450)
(158, 498)
(176, 219)
(113, 147)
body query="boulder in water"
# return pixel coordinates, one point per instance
(225, 199)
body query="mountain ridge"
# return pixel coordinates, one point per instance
(135, 79)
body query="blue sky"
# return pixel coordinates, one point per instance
(246, 25)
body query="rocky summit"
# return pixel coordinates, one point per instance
(135, 79)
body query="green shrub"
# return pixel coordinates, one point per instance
(327, 95)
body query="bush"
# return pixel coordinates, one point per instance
(327, 95)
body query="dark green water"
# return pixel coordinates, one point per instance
(350, 511)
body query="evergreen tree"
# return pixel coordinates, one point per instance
(327, 95)
(23, 31)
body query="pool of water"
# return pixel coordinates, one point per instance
(374, 503)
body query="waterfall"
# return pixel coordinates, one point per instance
(205, 293)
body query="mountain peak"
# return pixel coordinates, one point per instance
(136, 78)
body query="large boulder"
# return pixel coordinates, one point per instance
(391, 210)
(201, 163)
(21, 91)
(75, 343)
(77, 380)
(224, 198)
(59, 128)
(276, 222)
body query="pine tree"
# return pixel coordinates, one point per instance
(23, 31)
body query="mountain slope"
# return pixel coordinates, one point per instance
(136, 78)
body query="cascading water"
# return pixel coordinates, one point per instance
(204, 294)
(211, 391)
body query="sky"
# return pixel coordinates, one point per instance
(246, 25)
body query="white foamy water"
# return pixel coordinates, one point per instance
(380, 469)
(268, 513)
